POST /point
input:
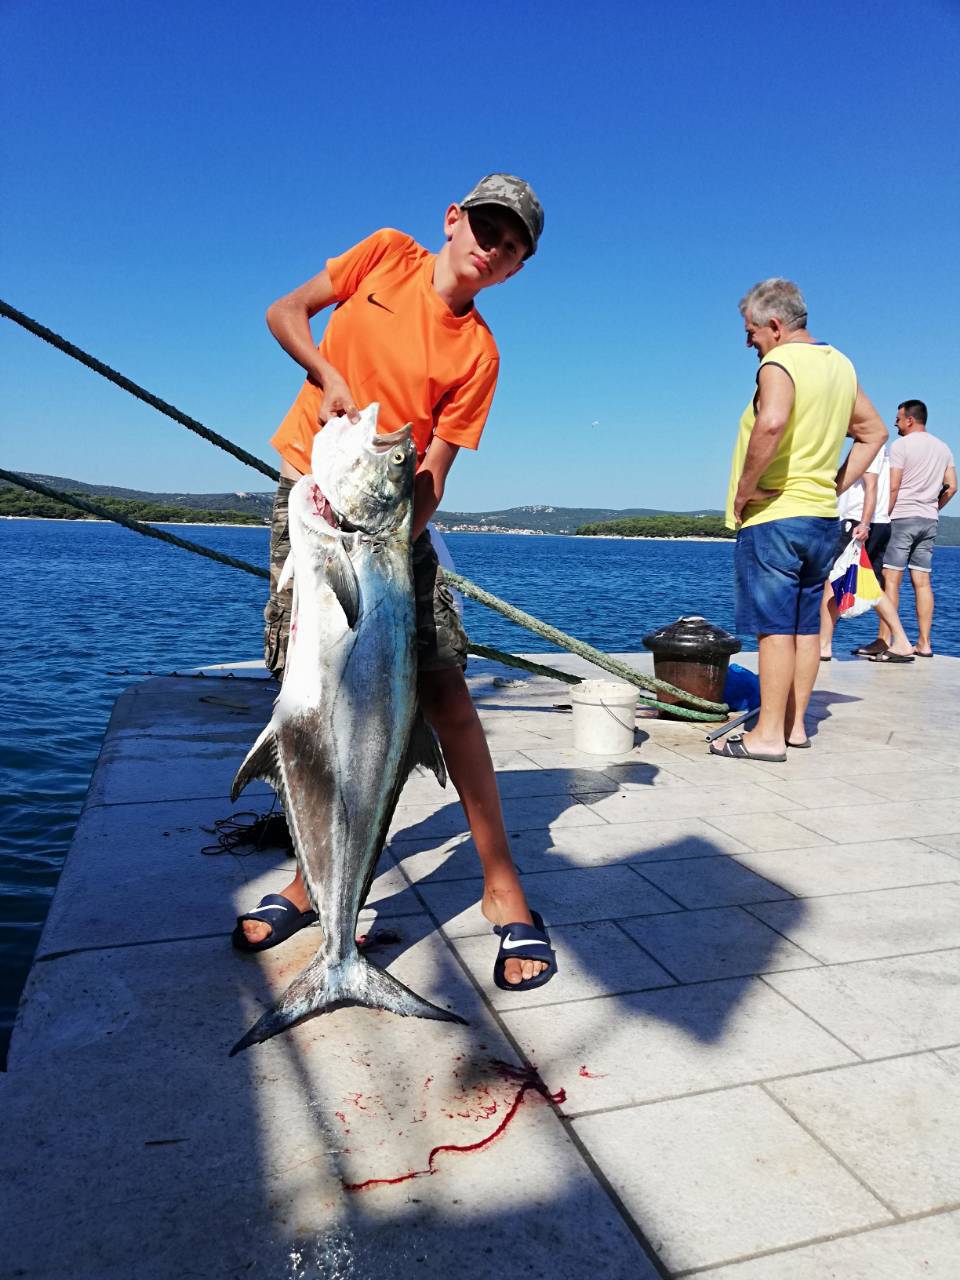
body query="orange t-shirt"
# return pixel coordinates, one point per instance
(395, 340)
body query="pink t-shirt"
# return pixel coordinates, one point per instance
(923, 459)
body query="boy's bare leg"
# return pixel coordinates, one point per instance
(828, 618)
(778, 662)
(923, 590)
(448, 707)
(805, 670)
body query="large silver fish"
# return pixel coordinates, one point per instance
(346, 729)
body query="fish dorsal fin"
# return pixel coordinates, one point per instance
(424, 751)
(341, 578)
(262, 761)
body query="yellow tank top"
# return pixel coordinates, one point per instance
(804, 468)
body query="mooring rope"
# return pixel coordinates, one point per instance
(81, 504)
(596, 656)
(91, 362)
(583, 650)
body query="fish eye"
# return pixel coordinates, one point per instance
(398, 457)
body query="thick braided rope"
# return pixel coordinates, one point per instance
(137, 526)
(596, 656)
(91, 362)
(538, 669)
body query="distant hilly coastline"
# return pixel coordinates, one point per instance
(243, 507)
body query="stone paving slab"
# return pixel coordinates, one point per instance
(685, 801)
(945, 844)
(694, 1150)
(711, 882)
(763, 831)
(849, 759)
(653, 1049)
(909, 818)
(561, 897)
(858, 926)
(913, 786)
(135, 873)
(842, 868)
(896, 1124)
(725, 942)
(455, 858)
(927, 1249)
(646, 1046)
(880, 1007)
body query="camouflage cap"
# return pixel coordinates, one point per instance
(512, 193)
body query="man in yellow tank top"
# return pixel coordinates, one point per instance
(782, 499)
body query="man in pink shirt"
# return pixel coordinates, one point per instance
(923, 479)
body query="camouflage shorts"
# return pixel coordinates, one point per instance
(441, 639)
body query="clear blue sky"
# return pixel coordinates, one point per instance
(170, 169)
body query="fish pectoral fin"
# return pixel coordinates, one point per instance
(263, 761)
(424, 751)
(342, 580)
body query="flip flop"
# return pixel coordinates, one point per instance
(870, 650)
(890, 656)
(736, 749)
(829, 658)
(524, 942)
(280, 914)
(800, 746)
(918, 654)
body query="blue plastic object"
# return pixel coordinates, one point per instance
(741, 689)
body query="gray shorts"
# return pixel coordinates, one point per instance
(441, 639)
(911, 544)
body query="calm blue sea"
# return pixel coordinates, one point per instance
(92, 607)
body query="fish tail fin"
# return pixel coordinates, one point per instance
(354, 981)
(261, 762)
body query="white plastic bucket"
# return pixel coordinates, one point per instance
(604, 716)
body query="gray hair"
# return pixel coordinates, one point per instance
(775, 299)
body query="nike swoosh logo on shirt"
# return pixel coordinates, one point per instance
(510, 944)
(371, 298)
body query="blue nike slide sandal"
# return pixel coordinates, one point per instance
(280, 914)
(524, 942)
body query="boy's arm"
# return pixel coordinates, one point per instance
(288, 319)
(430, 481)
(869, 436)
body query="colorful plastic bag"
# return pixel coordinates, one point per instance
(853, 581)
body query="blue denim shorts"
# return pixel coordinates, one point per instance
(780, 567)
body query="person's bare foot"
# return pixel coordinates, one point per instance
(764, 747)
(507, 905)
(295, 892)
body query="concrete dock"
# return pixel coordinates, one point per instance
(748, 1067)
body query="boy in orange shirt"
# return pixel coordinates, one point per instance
(406, 333)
